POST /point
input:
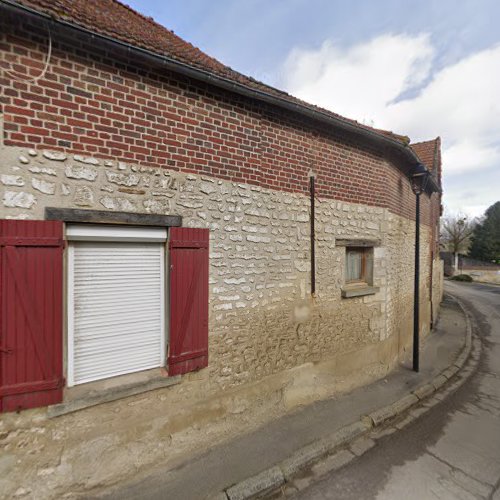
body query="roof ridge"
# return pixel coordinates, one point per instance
(429, 154)
(149, 19)
(425, 142)
(156, 24)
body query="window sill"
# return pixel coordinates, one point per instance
(94, 398)
(359, 291)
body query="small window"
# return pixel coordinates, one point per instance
(359, 266)
(358, 274)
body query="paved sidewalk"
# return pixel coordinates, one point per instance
(246, 456)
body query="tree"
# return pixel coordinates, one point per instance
(486, 237)
(456, 231)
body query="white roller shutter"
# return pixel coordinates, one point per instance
(116, 309)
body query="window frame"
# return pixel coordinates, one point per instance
(114, 235)
(364, 279)
(365, 285)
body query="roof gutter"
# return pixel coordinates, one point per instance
(238, 88)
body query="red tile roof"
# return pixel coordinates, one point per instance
(113, 19)
(427, 152)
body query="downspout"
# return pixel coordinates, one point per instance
(312, 188)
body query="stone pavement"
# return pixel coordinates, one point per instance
(234, 461)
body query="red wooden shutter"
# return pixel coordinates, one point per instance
(188, 347)
(31, 260)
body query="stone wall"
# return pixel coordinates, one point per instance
(483, 275)
(271, 345)
(259, 255)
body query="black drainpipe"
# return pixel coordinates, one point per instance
(416, 301)
(313, 248)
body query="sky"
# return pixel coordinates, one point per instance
(422, 68)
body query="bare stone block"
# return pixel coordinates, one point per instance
(18, 199)
(44, 187)
(207, 188)
(121, 204)
(11, 180)
(190, 203)
(80, 172)
(84, 196)
(86, 159)
(123, 179)
(157, 206)
(55, 155)
(43, 170)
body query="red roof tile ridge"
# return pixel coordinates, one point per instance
(156, 24)
(428, 152)
(149, 19)
(426, 142)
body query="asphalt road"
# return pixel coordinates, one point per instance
(450, 452)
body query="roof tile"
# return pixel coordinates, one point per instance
(118, 21)
(427, 152)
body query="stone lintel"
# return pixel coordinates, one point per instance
(354, 242)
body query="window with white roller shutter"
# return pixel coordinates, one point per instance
(116, 301)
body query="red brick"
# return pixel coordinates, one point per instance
(84, 105)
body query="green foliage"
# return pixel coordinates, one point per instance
(486, 236)
(462, 277)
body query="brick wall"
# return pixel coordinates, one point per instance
(98, 100)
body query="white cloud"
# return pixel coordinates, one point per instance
(369, 81)
(472, 195)
(361, 81)
(470, 154)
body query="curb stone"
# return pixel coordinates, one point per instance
(450, 372)
(392, 410)
(318, 449)
(423, 391)
(281, 474)
(439, 381)
(267, 480)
